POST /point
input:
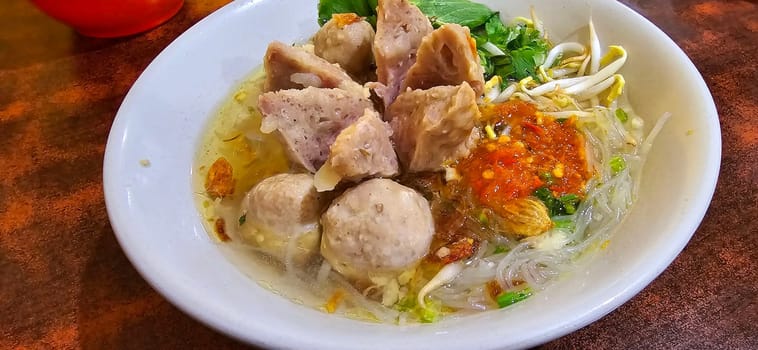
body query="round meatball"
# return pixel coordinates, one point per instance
(376, 228)
(346, 40)
(282, 208)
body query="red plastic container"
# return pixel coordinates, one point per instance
(110, 18)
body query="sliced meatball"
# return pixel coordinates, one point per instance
(361, 150)
(289, 67)
(280, 209)
(448, 56)
(377, 228)
(431, 127)
(400, 27)
(309, 120)
(346, 40)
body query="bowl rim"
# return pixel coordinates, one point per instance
(179, 298)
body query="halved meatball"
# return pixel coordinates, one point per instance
(280, 209)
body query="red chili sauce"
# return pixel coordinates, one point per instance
(539, 151)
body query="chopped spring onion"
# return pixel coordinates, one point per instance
(547, 177)
(566, 204)
(570, 202)
(484, 220)
(566, 223)
(510, 298)
(430, 312)
(500, 249)
(617, 164)
(621, 115)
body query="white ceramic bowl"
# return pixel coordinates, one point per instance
(153, 213)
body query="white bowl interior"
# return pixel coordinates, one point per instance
(153, 213)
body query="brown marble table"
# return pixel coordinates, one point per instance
(65, 283)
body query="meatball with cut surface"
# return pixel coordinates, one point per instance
(309, 120)
(282, 208)
(361, 150)
(290, 67)
(447, 56)
(378, 228)
(435, 126)
(400, 27)
(346, 40)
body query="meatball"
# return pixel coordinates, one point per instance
(377, 228)
(346, 40)
(282, 208)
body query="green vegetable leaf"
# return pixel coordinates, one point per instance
(618, 164)
(487, 65)
(363, 8)
(498, 33)
(242, 219)
(525, 61)
(565, 205)
(463, 12)
(523, 47)
(510, 298)
(554, 206)
(621, 115)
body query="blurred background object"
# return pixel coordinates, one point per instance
(110, 19)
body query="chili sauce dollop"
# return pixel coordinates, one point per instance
(524, 151)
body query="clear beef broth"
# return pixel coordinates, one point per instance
(234, 134)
